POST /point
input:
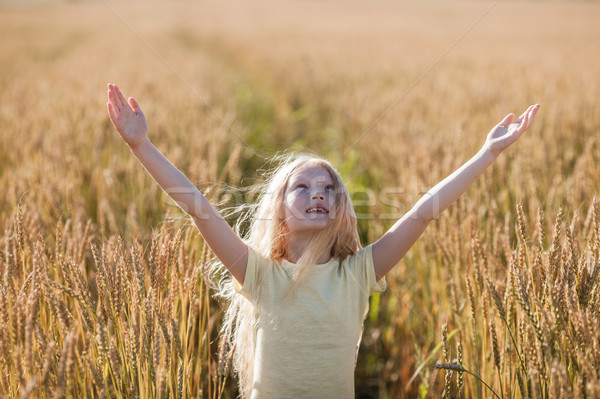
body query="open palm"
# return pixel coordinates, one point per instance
(127, 117)
(509, 130)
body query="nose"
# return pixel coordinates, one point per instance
(318, 195)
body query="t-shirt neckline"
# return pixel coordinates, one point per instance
(331, 260)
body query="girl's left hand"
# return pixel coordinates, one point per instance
(509, 130)
(127, 116)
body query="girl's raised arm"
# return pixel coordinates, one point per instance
(128, 119)
(390, 248)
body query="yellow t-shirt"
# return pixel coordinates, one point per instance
(306, 346)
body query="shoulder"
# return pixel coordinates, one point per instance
(361, 258)
(255, 264)
(361, 265)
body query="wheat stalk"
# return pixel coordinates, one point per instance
(461, 369)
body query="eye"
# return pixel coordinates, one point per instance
(301, 185)
(329, 187)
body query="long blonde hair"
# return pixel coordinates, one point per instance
(267, 236)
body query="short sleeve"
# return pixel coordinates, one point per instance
(365, 268)
(248, 288)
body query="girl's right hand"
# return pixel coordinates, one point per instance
(127, 117)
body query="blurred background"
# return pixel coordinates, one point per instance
(103, 283)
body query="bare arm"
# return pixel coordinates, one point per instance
(130, 122)
(394, 244)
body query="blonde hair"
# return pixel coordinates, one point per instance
(267, 236)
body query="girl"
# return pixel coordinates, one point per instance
(300, 281)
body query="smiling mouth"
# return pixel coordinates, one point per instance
(317, 210)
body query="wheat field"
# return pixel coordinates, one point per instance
(102, 284)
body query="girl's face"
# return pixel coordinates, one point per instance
(309, 199)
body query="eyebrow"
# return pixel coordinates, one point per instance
(297, 180)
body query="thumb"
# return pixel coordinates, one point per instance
(507, 120)
(134, 105)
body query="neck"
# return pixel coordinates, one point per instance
(298, 246)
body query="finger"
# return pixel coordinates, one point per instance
(113, 101)
(531, 114)
(524, 123)
(120, 96)
(111, 112)
(135, 106)
(523, 115)
(528, 110)
(111, 91)
(531, 111)
(507, 120)
(525, 119)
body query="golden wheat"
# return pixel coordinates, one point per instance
(103, 283)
